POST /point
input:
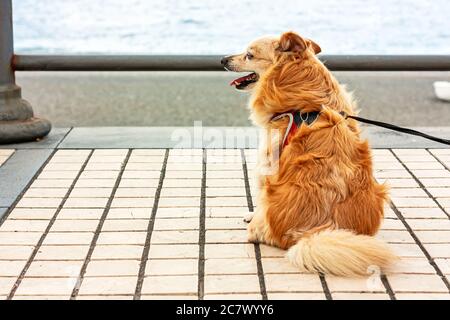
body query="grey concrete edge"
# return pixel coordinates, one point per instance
(222, 137)
(49, 142)
(17, 173)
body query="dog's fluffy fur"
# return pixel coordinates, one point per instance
(323, 203)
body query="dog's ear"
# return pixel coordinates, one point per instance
(317, 49)
(292, 42)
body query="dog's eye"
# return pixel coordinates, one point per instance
(249, 56)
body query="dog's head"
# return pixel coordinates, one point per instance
(264, 53)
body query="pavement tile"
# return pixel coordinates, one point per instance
(173, 251)
(90, 193)
(135, 192)
(436, 182)
(413, 202)
(46, 192)
(293, 283)
(6, 284)
(80, 213)
(108, 286)
(85, 202)
(179, 202)
(227, 201)
(31, 214)
(423, 213)
(230, 266)
(181, 212)
(234, 296)
(134, 238)
(68, 238)
(74, 226)
(129, 213)
(24, 225)
(216, 284)
(19, 238)
(176, 224)
(227, 212)
(422, 296)
(407, 193)
(226, 236)
(111, 252)
(433, 236)
(412, 266)
(39, 203)
(364, 284)
(11, 268)
(405, 250)
(180, 192)
(394, 236)
(62, 252)
(171, 267)
(132, 202)
(444, 265)
(51, 183)
(103, 268)
(125, 225)
(170, 284)
(174, 237)
(440, 192)
(417, 283)
(429, 224)
(278, 266)
(15, 252)
(225, 223)
(105, 297)
(46, 286)
(360, 296)
(438, 250)
(64, 269)
(244, 250)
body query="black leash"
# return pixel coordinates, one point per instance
(396, 128)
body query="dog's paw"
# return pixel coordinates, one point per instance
(248, 218)
(252, 234)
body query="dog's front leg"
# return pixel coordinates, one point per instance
(255, 229)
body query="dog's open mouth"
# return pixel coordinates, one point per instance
(243, 82)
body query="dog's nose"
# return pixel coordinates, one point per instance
(224, 61)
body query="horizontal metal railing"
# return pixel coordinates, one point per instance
(17, 122)
(212, 62)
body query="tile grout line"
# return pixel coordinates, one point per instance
(202, 230)
(421, 185)
(416, 239)
(384, 280)
(64, 138)
(388, 287)
(151, 224)
(49, 226)
(9, 157)
(79, 281)
(438, 160)
(19, 197)
(325, 288)
(262, 281)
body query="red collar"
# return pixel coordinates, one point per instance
(296, 119)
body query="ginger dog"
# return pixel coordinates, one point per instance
(323, 203)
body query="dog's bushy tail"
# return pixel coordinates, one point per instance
(341, 253)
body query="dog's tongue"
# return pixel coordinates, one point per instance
(238, 81)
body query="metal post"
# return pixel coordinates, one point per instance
(17, 121)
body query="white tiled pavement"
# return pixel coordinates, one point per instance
(156, 224)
